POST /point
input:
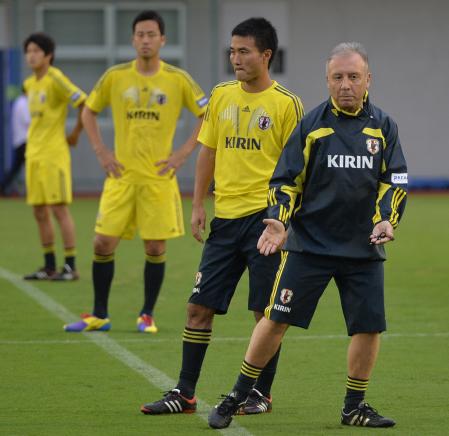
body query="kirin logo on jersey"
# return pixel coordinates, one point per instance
(286, 296)
(264, 122)
(372, 145)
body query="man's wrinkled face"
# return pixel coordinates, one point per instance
(348, 78)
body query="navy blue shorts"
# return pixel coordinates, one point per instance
(302, 279)
(231, 248)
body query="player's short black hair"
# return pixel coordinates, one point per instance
(150, 15)
(43, 41)
(262, 31)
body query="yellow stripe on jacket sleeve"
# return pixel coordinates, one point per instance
(383, 188)
(398, 196)
(272, 197)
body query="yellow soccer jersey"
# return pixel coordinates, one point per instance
(48, 100)
(145, 111)
(248, 131)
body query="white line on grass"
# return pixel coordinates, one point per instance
(154, 376)
(150, 339)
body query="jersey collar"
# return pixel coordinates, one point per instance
(273, 85)
(134, 68)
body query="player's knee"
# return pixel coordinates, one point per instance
(271, 327)
(154, 248)
(41, 213)
(60, 211)
(199, 317)
(104, 245)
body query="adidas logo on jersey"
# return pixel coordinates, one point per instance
(345, 161)
(246, 109)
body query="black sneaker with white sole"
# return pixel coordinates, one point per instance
(221, 415)
(365, 416)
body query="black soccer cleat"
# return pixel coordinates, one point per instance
(221, 415)
(172, 402)
(365, 416)
(40, 274)
(256, 403)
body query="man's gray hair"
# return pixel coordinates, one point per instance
(348, 47)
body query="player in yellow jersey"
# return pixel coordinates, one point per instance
(247, 124)
(146, 97)
(48, 172)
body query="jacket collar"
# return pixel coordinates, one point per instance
(336, 110)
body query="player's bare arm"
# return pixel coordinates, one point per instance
(73, 136)
(204, 173)
(272, 238)
(105, 157)
(177, 158)
(382, 233)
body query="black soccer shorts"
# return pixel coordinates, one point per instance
(231, 248)
(302, 279)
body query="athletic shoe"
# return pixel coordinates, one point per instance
(256, 403)
(172, 402)
(365, 416)
(89, 323)
(221, 415)
(67, 274)
(40, 274)
(145, 324)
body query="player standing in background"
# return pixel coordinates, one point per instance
(146, 97)
(48, 171)
(341, 183)
(20, 122)
(247, 124)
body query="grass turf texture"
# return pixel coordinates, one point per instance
(55, 383)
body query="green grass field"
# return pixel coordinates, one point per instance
(54, 383)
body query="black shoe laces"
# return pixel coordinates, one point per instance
(368, 411)
(169, 395)
(228, 406)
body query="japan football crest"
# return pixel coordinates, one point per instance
(264, 122)
(286, 296)
(372, 145)
(161, 98)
